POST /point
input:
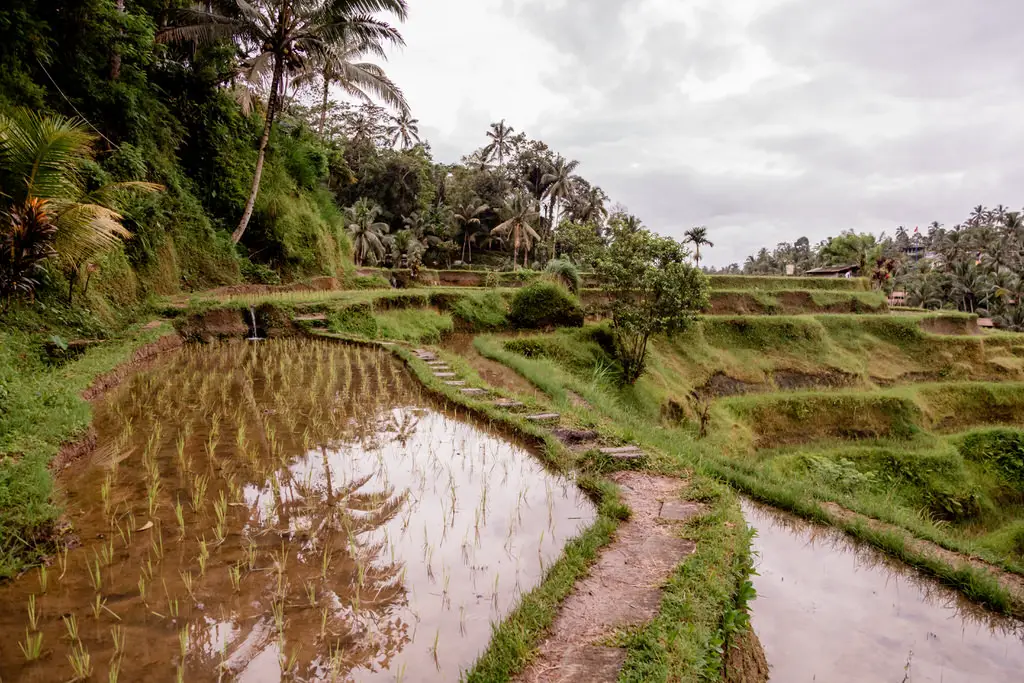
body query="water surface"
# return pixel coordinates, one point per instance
(832, 609)
(288, 510)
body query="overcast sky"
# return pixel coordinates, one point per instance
(765, 120)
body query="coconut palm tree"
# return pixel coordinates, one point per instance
(366, 231)
(699, 238)
(501, 142)
(404, 129)
(341, 65)
(590, 206)
(521, 214)
(558, 181)
(467, 218)
(45, 211)
(280, 38)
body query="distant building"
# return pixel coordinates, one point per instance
(852, 270)
(898, 299)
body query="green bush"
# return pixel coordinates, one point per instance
(564, 272)
(356, 320)
(545, 304)
(1003, 448)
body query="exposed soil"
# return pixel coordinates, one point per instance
(831, 379)
(721, 384)
(950, 326)
(623, 588)
(1012, 583)
(490, 371)
(745, 661)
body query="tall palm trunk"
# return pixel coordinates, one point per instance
(115, 58)
(275, 85)
(323, 110)
(696, 256)
(515, 249)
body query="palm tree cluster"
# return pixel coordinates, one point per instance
(511, 195)
(976, 266)
(281, 43)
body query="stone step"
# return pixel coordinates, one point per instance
(508, 403)
(474, 391)
(436, 363)
(456, 383)
(310, 318)
(621, 451)
(444, 375)
(544, 417)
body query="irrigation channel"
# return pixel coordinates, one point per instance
(830, 608)
(285, 510)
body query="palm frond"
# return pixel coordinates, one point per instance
(43, 153)
(84, 230)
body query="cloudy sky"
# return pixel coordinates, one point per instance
(765, 120)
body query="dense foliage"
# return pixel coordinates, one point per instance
(545, 304)
(653, 291)
(976, 266)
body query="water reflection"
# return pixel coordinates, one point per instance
(832, 609)
(290, 511)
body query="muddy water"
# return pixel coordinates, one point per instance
(288, 510)
(831, 609)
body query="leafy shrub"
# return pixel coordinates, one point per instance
(545, 304)
(258, 272)
(840, 474)
(565, 273)
(357, 320)
(1003, 448)
(487, 311)
(492, 280)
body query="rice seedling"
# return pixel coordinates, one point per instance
(71, 625)
(311, 593)
(277, 610)
(117, 635)
(183, 642)
(251, 555)
(107, 552)
(220, 508)
(95, 576)
(114, 671)
(324, 614)
(32, 648)
(81, 662)
(179, 516)
(235, 576)
(62, 560)
(33, 613)
(44, 579)
(157, 543)
(199, 484)
(433, 648)
(189, 582)
(105, 488)
(153, 496)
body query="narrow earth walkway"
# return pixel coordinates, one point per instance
(623, 588)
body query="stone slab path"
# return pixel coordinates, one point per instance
(623, 588)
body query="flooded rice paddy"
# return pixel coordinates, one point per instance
(290, 510)
(832, 609)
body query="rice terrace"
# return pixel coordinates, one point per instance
(286, 397)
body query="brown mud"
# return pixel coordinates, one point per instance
(623, 588)
(830, 608)
(745, 661)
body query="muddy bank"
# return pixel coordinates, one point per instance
(832, 609)
(745, 661)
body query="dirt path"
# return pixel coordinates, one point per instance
(623, 588)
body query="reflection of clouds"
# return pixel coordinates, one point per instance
(823, 539)
(403, 522)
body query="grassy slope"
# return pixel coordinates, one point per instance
(915, 479)
(41, 408)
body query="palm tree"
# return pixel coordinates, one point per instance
(404, 129)
(467, 217)
(699, 238)
(559, 181)
(280, 38)
(340, 66)
(590, 207)
(501, 142)
(521, 213)
(366, 232)
(46, 211)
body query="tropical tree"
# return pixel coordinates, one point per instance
(558, 181)
(501, 144)
(467, 218)
(279, 39)
(45, 209)
(698, 237)
(366, 232)
(520, 211)
(405, 130)
(341, 65)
